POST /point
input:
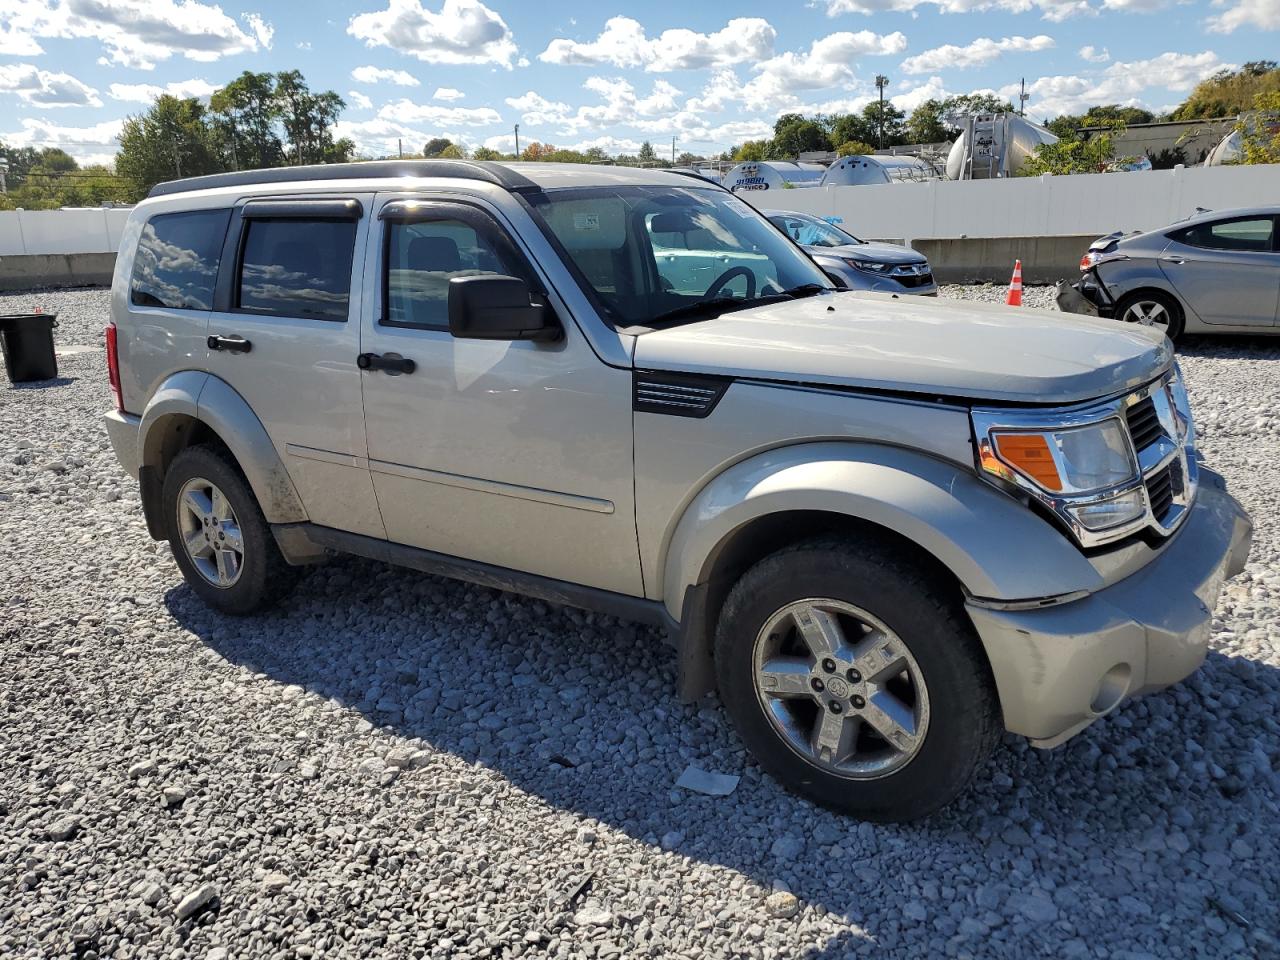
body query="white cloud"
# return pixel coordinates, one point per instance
(359, 100)
(448, 94)
(89, 145)
(931, 89)
(610, 145)
(1053, 10)
(537, 110)
(1094, 55)
(409, 112)
(135, 33)
(464, 31)
(147, 92)
(43, 88)
(975, 54)
(1123, 83)
(401, 78)
(621, 105)
(1262, 14)
(623, 43)
(827, 63)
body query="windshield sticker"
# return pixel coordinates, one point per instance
(586, 221)
(740, 207)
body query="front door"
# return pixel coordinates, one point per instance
(1228, 271)
(513, 453)
(284, 334)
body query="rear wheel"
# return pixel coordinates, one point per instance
(856, 680)
(218, 535)
(1151, 308)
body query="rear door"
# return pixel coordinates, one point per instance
(285, 335)
(1228, 271)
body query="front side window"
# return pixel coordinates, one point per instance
(647, 254)
(176, 263)
(423, 257)
(811, 232)
(297, 268)
(1246, 235)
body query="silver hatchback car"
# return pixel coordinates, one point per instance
(1216, 272)
(857, 264)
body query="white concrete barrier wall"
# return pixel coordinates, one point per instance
(1030, 206)
(61, 231)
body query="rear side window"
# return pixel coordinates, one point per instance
(296, 268)
(1248, 235)
(423, 257)
(176, 263)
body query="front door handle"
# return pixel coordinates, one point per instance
(387, 362)
(1172, 260)
(232, 344)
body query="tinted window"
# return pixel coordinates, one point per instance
(177, 260)
(1230, 235)
(297, 268)
(423, 257)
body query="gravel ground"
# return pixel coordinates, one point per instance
(395, 765)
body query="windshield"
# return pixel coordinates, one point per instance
(653, 254)
(812, 232)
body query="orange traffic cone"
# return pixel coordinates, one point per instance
(1014, 297)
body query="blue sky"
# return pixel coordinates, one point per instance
(606, 73)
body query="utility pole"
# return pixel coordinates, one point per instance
(517, 141)
(400, 147)
(1023, 97)
(881, 82)
(673, 151)
(4, 170)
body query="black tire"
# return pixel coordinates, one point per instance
(264, 576)
(925, 613)
(1169, 303)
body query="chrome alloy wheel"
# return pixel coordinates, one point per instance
(1149, 313)
(841, 688)
(210, 532)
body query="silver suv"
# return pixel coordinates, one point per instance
(885, 530)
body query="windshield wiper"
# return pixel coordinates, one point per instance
(700, 306)
(805, 290)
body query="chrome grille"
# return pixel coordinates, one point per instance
(1144, 423)
(1160, 492)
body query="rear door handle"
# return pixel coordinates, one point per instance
(387, 362)
(232, 344)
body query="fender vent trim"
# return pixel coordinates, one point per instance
(677, 394)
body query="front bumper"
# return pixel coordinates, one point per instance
(1059, 668)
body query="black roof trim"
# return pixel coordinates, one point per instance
(485, 171)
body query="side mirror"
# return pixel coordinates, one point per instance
(489, 307)
(837, 280)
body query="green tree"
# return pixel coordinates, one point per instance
(794, 134)
(887, 122)
(593, 154)
(452, 152)
(647, 153)
(1260, 130)
(687, 159)
(925, 124)
(854, 148)
(435, 146)
(172, 139)
(1228, 93)
(485, 153)
(751, 150)
(1075, 155)
(245, 114)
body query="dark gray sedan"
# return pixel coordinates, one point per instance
(1216, 272)
(857, 264)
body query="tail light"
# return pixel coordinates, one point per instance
(113, 366)
(1086, 261)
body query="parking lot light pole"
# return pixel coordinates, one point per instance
(881, 82)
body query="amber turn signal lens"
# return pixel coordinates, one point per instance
(1029, 454)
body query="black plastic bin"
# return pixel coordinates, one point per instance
(28, 346)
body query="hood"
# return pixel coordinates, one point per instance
(879, 341)
(880, 252)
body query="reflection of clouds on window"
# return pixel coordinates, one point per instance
(423, 258)
(177, 260)
(298, 268)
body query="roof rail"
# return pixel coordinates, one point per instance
(485, 171)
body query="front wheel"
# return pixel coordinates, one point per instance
(856, 680)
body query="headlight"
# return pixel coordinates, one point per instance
(870, 266)
(1069, 461)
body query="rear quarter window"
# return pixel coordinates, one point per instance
(176, 262)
